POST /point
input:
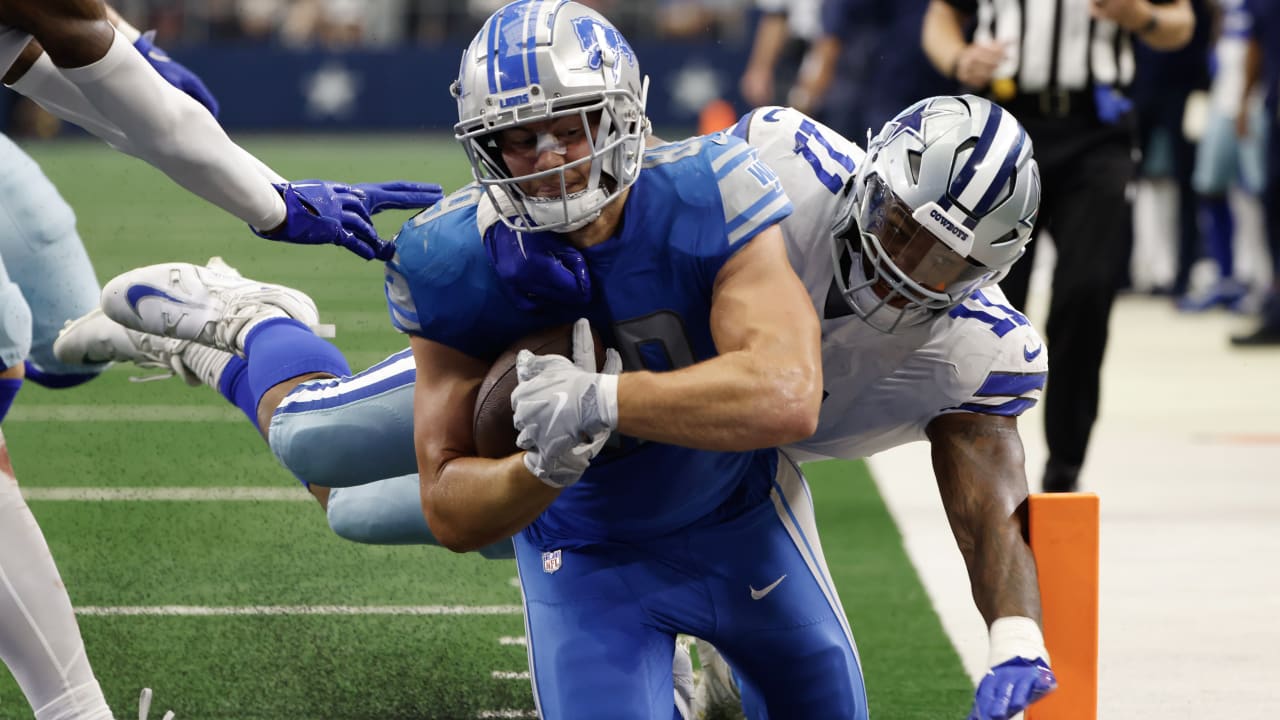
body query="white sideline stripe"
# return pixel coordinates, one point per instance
(511, 640)
(127, 413)
(134, 494)
(510, 675)
(508, 714)
(253, 610)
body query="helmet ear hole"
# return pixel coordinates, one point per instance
(914, 158)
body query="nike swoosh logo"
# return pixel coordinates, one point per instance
(759, 594)
(562, 399)
(138, 293)
(1031, 354)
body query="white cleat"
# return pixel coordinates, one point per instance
(212, 304)
(716, 694)
(95, 338)
(144, 706)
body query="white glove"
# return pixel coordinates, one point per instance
(565, 410)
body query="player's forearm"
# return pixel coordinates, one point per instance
(733, 402)
(978, 461)
(472, 502)
(1002, 570)
(176, 134)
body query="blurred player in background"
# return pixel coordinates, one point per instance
(957, 368)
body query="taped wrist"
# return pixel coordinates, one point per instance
(608, 385)
(1013, 637)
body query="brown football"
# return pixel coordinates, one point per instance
(492, 424)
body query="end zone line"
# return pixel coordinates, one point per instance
(285, 610)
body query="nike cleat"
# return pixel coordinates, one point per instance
(212, 304)
(95, 338)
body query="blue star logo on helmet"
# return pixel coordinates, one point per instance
(912, 122)
(591, 32)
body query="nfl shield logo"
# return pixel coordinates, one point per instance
(550, 561)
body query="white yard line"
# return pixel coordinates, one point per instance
(289, 610)
(143, 494)
(211, 412)
(507, 714)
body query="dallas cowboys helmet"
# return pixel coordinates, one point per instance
(944, 204)
(537, 60)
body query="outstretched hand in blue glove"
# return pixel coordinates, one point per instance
(174, 72)
(539, 269)
(1010, 687)
(319, 212)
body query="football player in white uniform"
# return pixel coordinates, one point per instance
(899, 248)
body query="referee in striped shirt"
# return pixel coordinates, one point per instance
(1062, 66)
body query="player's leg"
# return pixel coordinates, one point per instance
(593, 647)
(39, 638)
(46, 258)
(15, 339)
(780, 622)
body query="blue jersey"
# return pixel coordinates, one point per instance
(694, 205)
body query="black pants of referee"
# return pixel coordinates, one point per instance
(1085, 169)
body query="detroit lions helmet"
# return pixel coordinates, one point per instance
(944, 204)
(536, 60)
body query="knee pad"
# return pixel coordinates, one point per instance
(386, 512)
(15, 325)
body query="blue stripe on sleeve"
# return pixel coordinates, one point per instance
(1011, 384)
(1016, 406)
(749, 214)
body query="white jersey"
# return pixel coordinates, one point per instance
(12, 42)
(882, 390)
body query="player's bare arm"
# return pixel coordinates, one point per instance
(765, 386)
(980, 468)
(468, 502)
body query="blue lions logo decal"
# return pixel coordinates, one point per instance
(588, 37)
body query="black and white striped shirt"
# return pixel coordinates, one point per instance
(1053, 44)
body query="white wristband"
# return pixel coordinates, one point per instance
(1013, 637)
(608, 385)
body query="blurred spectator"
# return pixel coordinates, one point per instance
(1162, 84)
(1262, 63)
(784, 32)
(866, 65)
(1224, 161)
(698, 19)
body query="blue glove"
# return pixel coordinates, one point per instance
(1010, 687)
(1112, 106)
(398, 195)
(539, 269)
(318, 212)
(174, 73)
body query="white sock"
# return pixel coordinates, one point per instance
(207, 363)
(39, 638)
